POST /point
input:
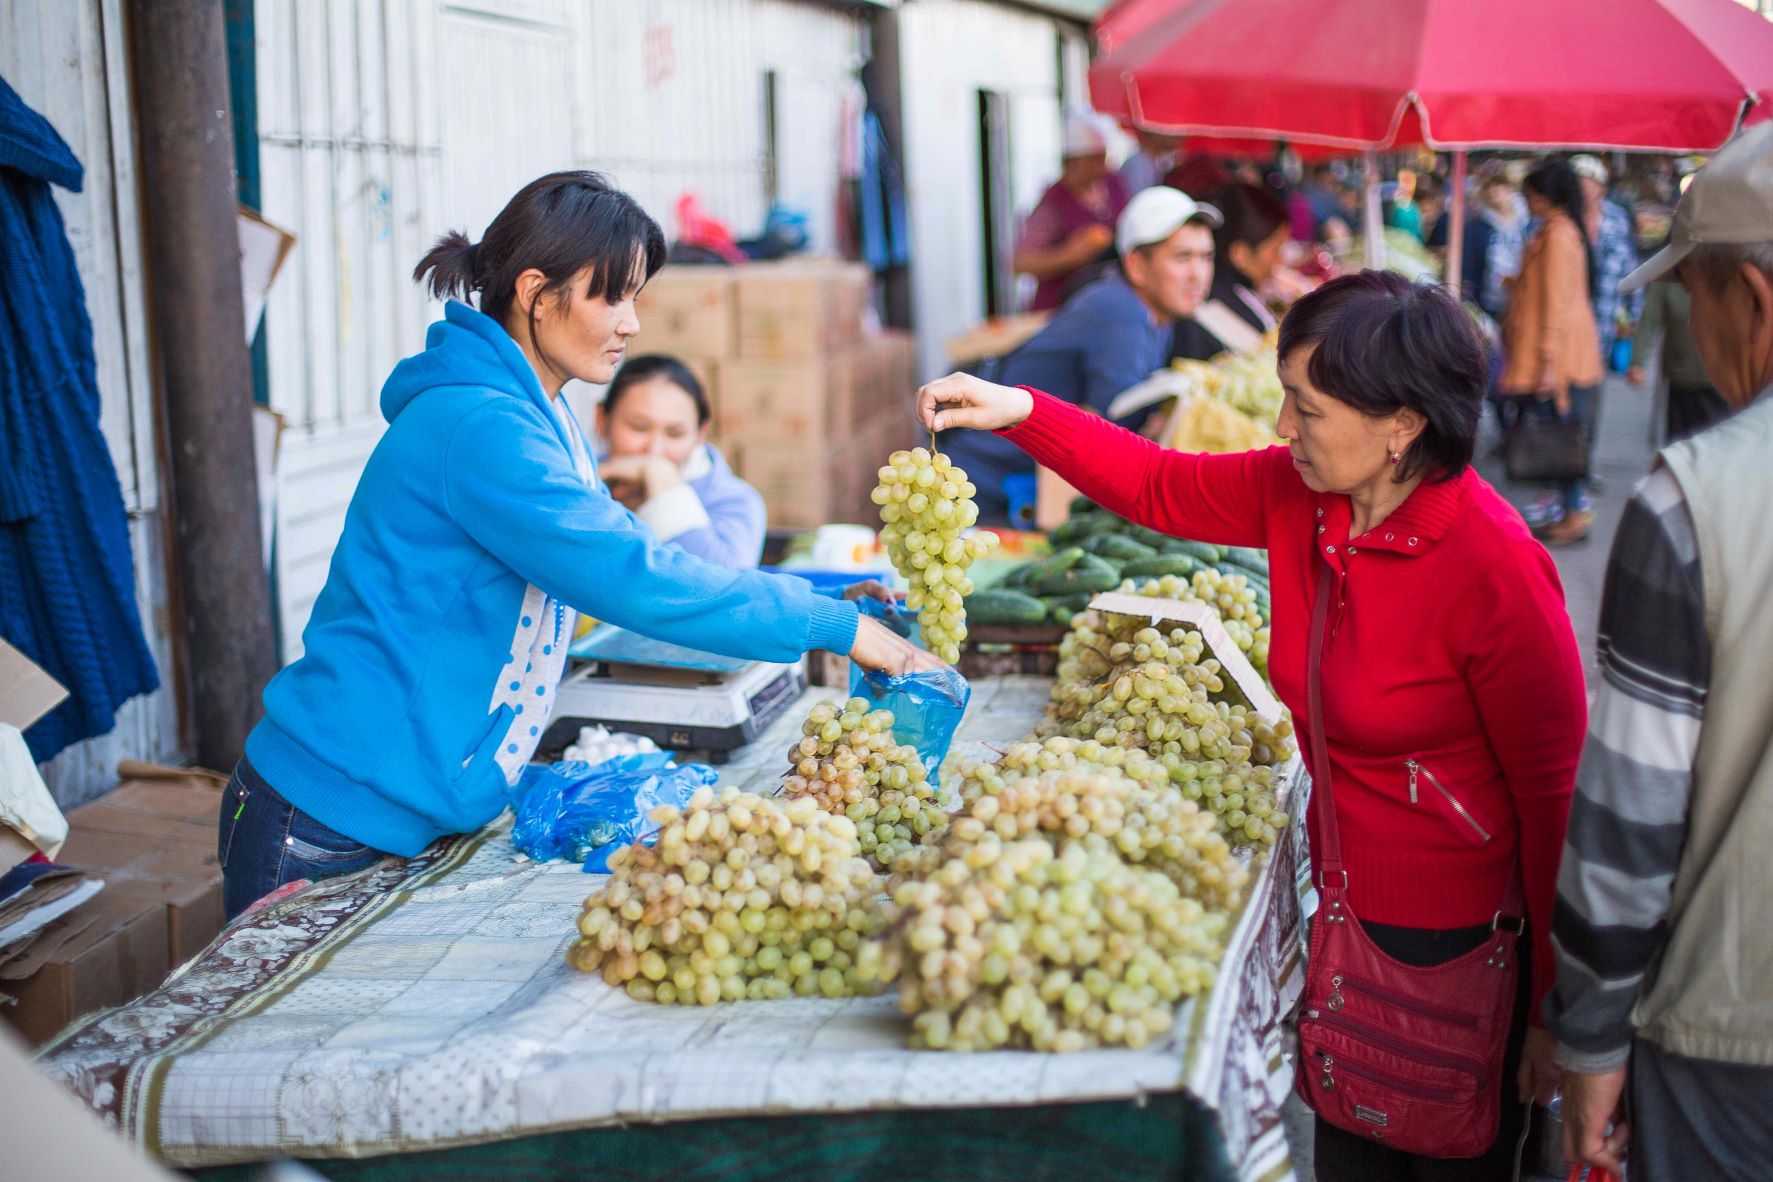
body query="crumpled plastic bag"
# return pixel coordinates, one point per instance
(585, 812)
(927, 707)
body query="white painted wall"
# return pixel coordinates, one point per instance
(69, 60)
(384, 123)
(950, 50)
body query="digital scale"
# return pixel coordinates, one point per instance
(700, 705)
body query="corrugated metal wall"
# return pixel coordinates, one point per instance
(385, 122)
(69, 60)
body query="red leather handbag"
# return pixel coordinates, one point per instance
(1409, 1057)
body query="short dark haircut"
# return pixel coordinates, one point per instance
(559, 224)
(1252, 214)
(658, 365)
(1430, 187)
(1384, 344)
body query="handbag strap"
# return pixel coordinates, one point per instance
(1323, 800)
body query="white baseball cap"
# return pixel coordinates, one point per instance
(1086, 134)
(1590, 167)
(1729, 202)
(1155, 213)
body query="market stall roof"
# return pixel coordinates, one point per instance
(1355, 75)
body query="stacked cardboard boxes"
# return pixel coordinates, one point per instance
(807, 404)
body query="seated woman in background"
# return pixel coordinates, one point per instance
(1247, 251)
(654, 423)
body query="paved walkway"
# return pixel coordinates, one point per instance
(1623, 455)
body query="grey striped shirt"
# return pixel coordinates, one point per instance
(1628, 819)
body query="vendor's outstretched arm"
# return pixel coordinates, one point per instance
(1221, 499)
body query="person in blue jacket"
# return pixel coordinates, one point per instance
(477, 533)
(654, 426)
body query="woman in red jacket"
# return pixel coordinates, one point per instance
(1454, 701)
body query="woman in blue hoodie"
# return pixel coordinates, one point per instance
(478, 531)
(654, 422)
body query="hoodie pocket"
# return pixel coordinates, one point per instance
(1427, 790)
(481, 751)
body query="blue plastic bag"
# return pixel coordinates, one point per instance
(927, 707)
(585, 812)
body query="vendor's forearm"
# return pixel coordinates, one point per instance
(1049, 263)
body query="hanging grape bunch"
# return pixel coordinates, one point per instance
(848, 761)
(926, 505)
(741, 897)
(1019, 944)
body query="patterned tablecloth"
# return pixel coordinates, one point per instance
(426, 1003)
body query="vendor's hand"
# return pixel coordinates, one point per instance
(1086, 242)
(1592, 1103)
(1548, 382)
(879, 647)
(871, 589)
(1540, 1072)
(1635, 375)
(962, 400)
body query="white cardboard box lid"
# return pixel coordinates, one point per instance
(27, 693)
(1206, 621)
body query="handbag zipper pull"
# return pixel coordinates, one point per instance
(1335, 1001)
(1412, 765)
(1327, 1081)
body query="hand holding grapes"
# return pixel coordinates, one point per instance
(962, 400)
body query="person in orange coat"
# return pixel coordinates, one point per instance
(1551, 347)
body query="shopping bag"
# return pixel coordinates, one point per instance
(926, 707)
(585, 812)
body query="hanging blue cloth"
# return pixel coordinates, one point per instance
(886, 233)
(67, 582)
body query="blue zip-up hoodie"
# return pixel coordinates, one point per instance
(385, 729)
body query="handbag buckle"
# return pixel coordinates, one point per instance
(1501, 923)
(1323, 880)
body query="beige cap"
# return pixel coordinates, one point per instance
(1155, 213)
(1589, 167)
(1730, 201)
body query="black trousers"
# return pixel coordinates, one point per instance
(1344, 1157)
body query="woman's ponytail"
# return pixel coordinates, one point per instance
(447, 270)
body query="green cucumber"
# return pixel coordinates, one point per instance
(1160, 565)
(1209, 554)
(1004, 608)
(1089, 575)
(1256, 560)
(1117, 548)
(1061, 608)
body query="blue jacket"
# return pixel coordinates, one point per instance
(392, 726)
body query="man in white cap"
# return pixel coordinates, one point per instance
(1109, 337)
(1664, 923)
(1616, 312)
(1068, 238)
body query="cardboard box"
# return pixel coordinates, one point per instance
(117, 951)
(800, 310)
(687, 312)
(804, 489)
(26, 692)
(804, 404)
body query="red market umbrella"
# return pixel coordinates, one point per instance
(1375, 75)
(1360, 75)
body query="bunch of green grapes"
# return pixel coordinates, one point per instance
(1229, 595)
(1019, 944)
(741, 896)
(1125, 684)
(1143, 820)
(926, 505)
(849, 763)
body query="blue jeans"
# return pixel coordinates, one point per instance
(264, 841)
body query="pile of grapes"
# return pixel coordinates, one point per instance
(1021, 944)
(926, 504)
(741, 897)
(849, 763)
(1229, 595)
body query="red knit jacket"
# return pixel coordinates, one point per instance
(1449, 645)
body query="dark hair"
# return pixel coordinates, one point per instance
(1553, 179)
(1252, 213)
(1430, 187)
(1383, 344)
(657, 365)
(559, 224)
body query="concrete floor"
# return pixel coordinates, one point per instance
(1623, 454)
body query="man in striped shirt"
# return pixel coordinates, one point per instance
(1664, 921)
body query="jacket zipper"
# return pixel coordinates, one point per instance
(1415, 768)
(1365, 1033)
(1389, 997)
(1328, 1066)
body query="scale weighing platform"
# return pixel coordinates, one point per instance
(702, 706)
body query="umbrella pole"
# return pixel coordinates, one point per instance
(1456, 227)
(1375, 229)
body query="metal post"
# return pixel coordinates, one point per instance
(1456, 226)
(1375, 221)
(188, 189)
(881, 76)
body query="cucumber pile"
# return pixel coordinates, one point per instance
(1094, 551)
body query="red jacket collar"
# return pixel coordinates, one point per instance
(1413, 526)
